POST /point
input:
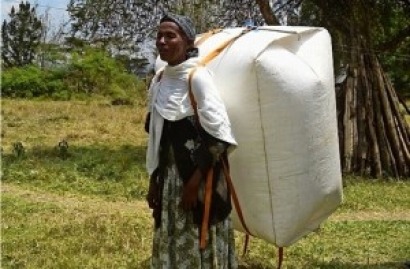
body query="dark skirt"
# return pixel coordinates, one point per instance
(176, 240)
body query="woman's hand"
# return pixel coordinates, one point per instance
(190, 191)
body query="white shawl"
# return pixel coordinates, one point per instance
(169, 99)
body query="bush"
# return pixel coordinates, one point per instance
(30, 81)
(23, 82)
(94, 71)
(90, 72)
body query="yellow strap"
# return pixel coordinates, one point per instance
(221, 47)
(205, 36)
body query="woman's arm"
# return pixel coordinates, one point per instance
(212, 113)
(214, 129)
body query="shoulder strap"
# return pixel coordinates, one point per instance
(205, 36)
(191, 95)
(208, 189)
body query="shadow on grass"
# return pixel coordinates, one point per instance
(94, 169)
(72, 153)
(144, 264)
(93, 160)
(332, 265)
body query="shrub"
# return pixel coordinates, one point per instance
(31, 81)
(28, 81)
(90, 72)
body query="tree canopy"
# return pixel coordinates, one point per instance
(21, 36)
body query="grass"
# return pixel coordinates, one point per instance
(106, 147)
(50, 234)
(85, 208)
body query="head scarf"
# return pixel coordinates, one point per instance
(184, 22)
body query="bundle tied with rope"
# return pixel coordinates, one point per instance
(278, 88)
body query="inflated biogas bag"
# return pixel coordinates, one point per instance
(278, 87)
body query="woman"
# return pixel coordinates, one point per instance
(181, 151)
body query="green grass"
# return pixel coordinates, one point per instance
(48, 230)
(106, 150)
(86, 209)
(93, 170)
(46, 235)
(376, 195)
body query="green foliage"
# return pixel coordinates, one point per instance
(30, 81)
(94, 71)
(90, 72)
(21, 36)
(392, 42)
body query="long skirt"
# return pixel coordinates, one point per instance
(176, 241)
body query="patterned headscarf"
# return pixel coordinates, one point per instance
(185, 23)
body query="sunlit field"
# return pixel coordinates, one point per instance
(73, 188)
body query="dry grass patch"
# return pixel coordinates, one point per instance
(45, 123)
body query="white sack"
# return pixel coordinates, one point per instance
(278, 86)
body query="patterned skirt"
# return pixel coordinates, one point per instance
(176, 241)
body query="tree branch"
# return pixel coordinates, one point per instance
(267, 12)
(395, 41)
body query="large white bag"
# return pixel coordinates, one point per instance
(278, 86)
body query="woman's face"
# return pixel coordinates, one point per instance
(171, 43)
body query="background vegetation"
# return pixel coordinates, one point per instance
(107, 43)
(125, 29)
(90, 73)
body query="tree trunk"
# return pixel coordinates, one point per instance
(375, 136)
(267, 13)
